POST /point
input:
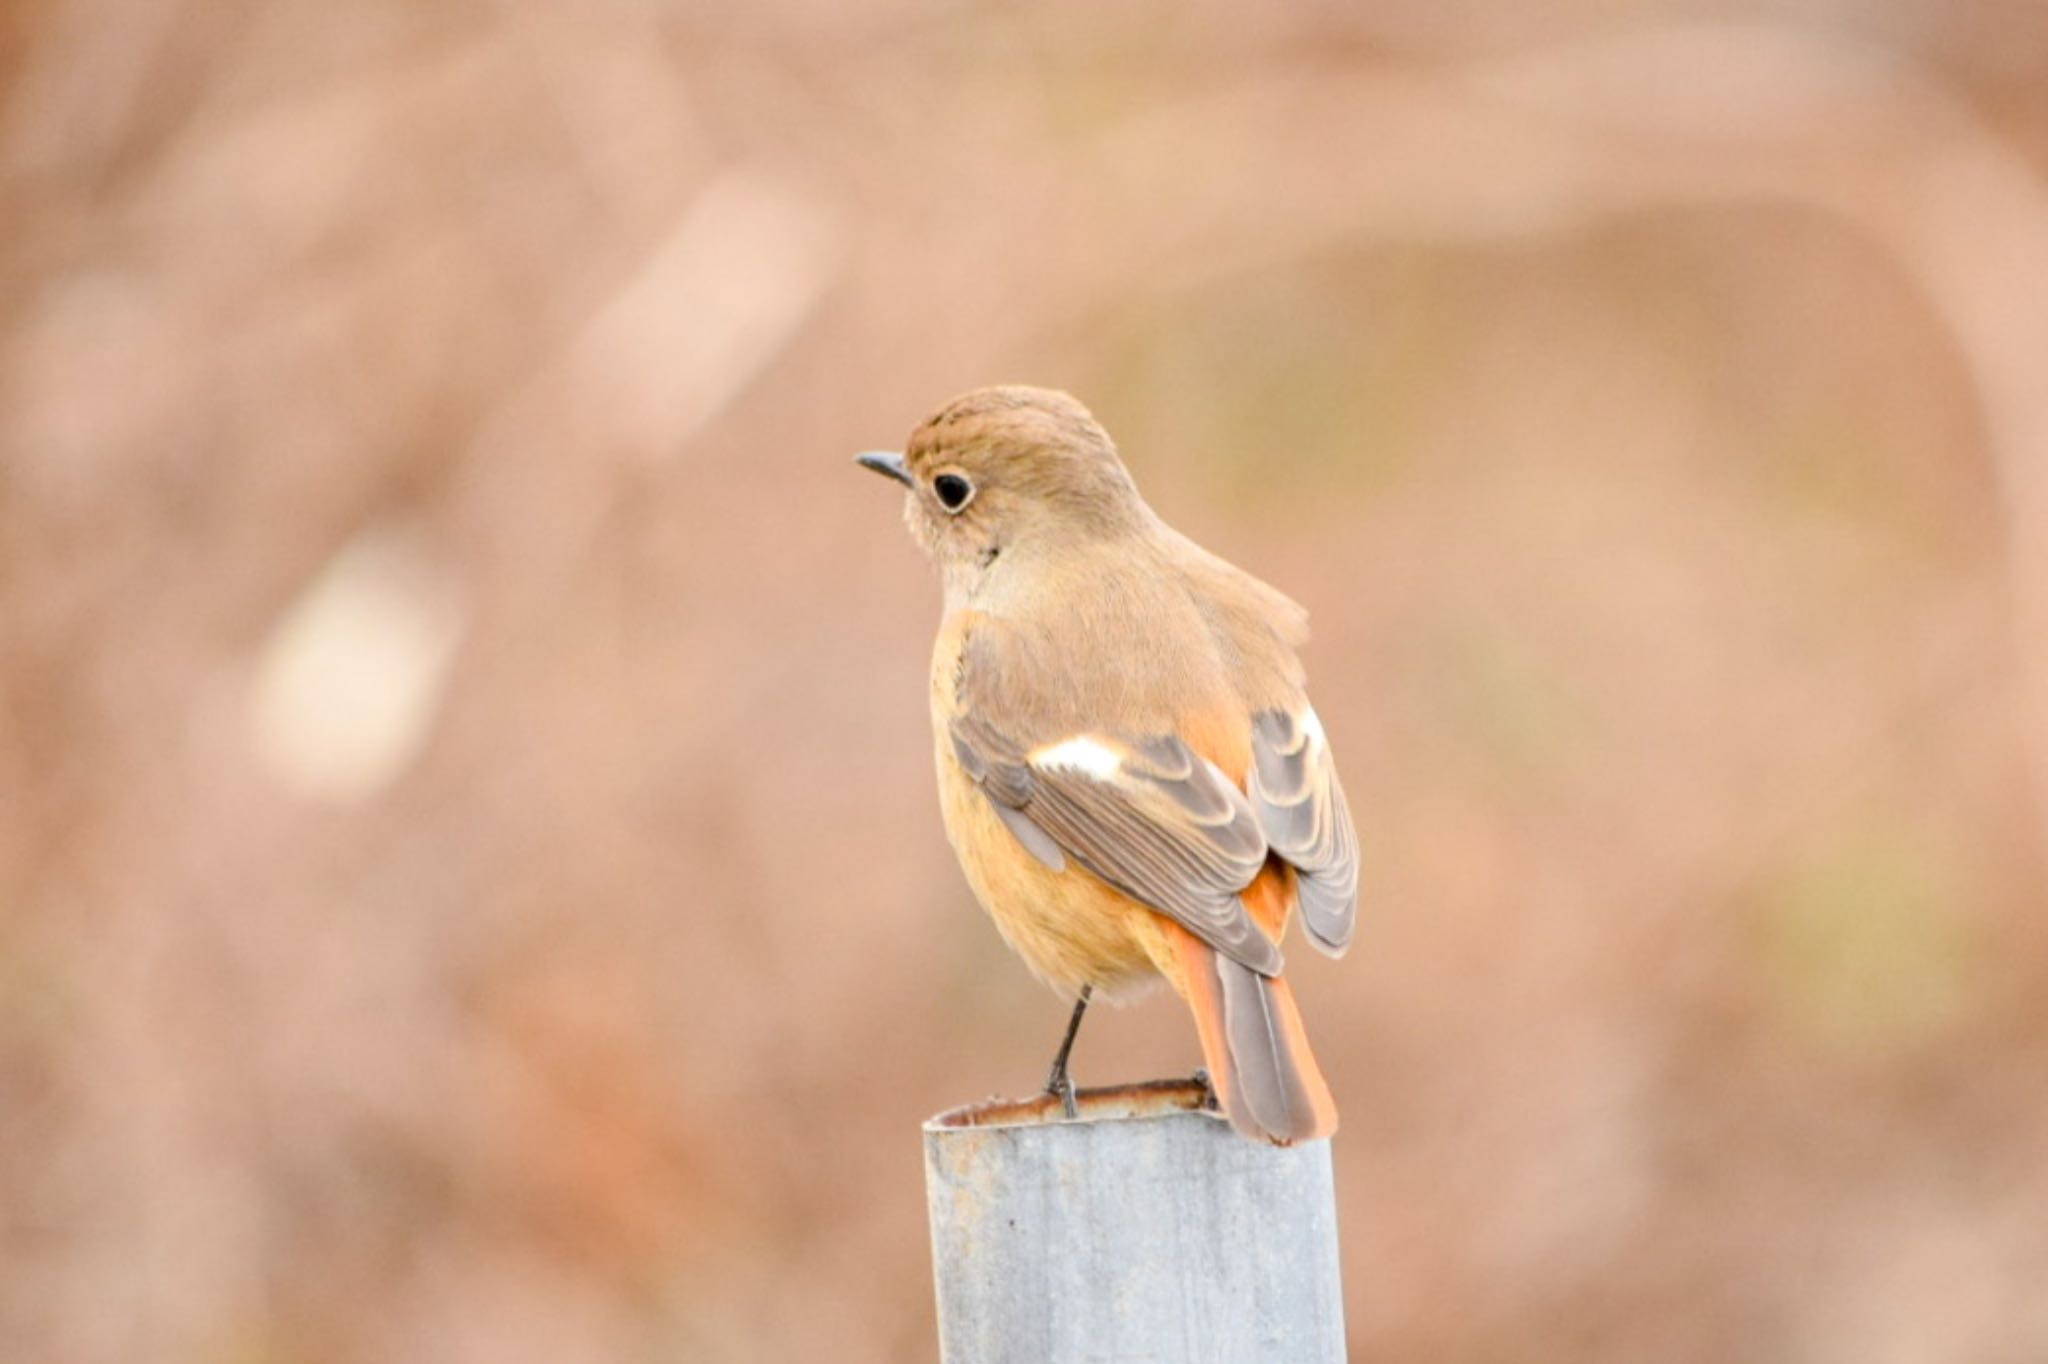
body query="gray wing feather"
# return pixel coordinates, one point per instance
(1170, 831)
(1302, 811)
(1036, 841)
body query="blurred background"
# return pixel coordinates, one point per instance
(470, 880)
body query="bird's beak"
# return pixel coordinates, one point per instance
(885, 462)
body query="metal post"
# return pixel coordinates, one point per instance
(1144, 1229)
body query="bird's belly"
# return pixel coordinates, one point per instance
(1070, 928)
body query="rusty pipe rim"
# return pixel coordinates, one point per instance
(1114, 1103)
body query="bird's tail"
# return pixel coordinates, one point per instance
(1254, 1046)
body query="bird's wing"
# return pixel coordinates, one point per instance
(1145, 813)
(1300, 806)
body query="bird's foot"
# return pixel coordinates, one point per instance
(1210, 1103)
(1059, 1082)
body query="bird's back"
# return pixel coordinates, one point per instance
(1148, 637)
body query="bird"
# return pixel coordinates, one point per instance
(1130, 772)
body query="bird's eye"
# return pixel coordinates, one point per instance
(953, 491)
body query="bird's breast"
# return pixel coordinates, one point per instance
(1070, 927)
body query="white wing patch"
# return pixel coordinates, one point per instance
(1080, 754)
(1312, 725)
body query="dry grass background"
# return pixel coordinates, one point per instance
(470, 886)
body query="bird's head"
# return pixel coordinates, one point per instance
(1007, 471)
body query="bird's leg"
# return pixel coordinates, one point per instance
(1059, 1082)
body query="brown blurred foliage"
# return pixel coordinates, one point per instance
(470, 886)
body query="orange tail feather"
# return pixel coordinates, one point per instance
(1254, 1046)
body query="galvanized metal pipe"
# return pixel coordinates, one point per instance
(1144, 1229)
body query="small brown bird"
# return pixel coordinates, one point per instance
(1129, 769)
